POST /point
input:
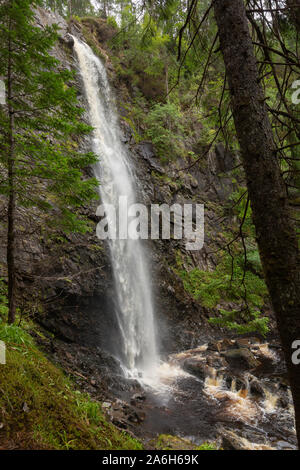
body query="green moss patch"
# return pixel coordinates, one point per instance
(168, 442)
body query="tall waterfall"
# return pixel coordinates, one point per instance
(113, 170)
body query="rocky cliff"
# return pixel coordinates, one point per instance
(65, 281)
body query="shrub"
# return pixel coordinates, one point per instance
(164, 128)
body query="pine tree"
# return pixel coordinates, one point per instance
(40, 166)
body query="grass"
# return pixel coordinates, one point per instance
(169, 442)
(40, 408)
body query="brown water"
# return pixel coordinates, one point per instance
(203, 410)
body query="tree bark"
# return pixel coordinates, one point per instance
(11, 237)
(70, 10)
(275, 232)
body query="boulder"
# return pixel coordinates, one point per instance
(222, 345)
(256, 388)
(68, 40)
(241, 359)
(196, 367)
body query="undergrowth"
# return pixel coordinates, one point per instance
(40, 408)
(246, 290)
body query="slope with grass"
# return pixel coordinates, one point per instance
(40, 408)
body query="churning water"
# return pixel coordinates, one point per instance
(116, 179)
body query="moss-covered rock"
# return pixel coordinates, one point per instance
(168, 442)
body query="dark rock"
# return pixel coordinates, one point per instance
(68, 40)
(241, 359)
(224, 159)
(217, 362)
(212, 346)
(196, 367)
(240, 384)
(256, 388)
(138, 397)
(135, 417)
(146, 150)
(120, 423)
(283, 402)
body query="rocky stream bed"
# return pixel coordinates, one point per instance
(230, 392)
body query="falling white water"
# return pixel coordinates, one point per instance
(135, 309)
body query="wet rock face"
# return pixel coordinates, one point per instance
(124, 415)
(69, 277)
(72, 274)
(195, 367)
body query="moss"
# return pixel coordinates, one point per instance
(164, 180)
(39, 407)
(169, 442)
(129, 121)
(208, 446)
(228, 283)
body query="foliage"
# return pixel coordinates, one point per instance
(246, 290)
(47, 166)
(14, 335)
(207, 446)
(231, 319)
(164, 128)
(38, 403)
(3, 300)
(169, 442)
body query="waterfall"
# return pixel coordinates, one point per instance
(116, 179)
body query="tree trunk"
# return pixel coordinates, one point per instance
(275, 232)
(70, 10)
(11, 238)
